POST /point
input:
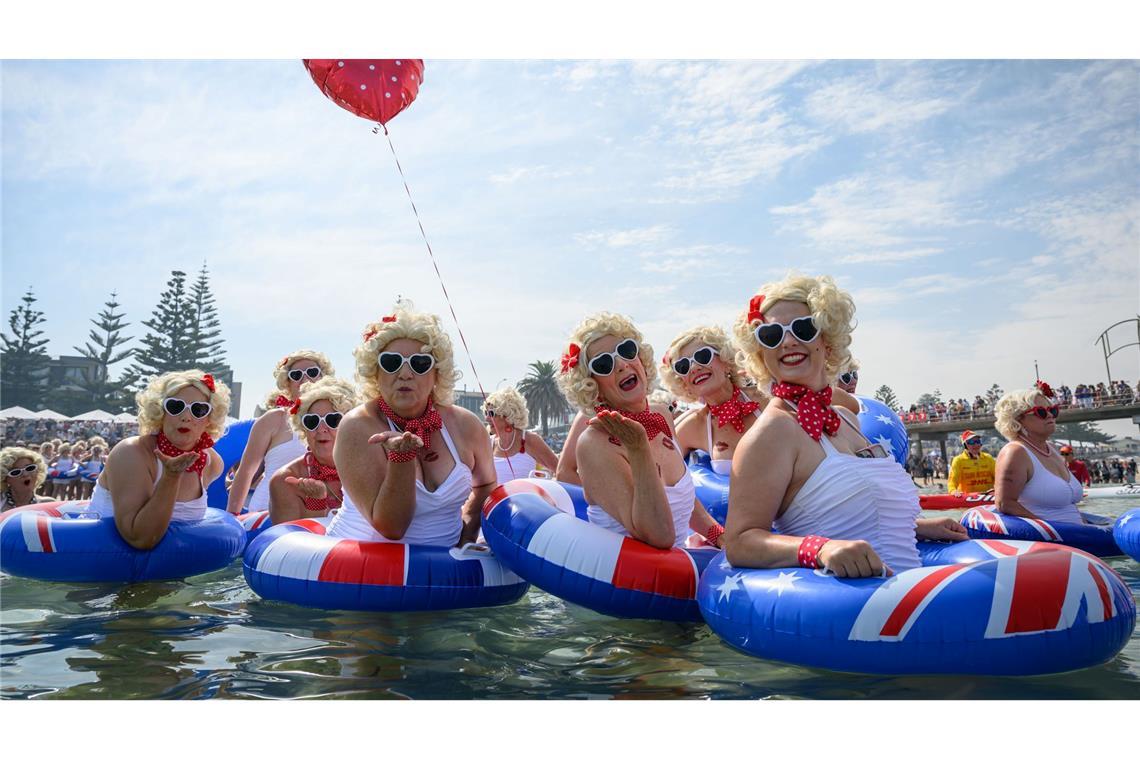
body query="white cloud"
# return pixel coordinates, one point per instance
(625, 238)
(895, 96)
(888, 257)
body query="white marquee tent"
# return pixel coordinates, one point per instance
(48, 414)
(17, 413)
(95, 415)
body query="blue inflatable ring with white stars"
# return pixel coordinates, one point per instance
(975, 607)
(712, 487)
(880, 424)
(1126, 531)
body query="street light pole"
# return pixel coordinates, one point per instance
(1035, 372)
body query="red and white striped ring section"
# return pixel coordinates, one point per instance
(538, 528)
(255, 523)
(985, 607)
(296, 562)
(1093, 536)
(940, 501)
(66, 541)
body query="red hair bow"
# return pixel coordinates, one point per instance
(368, 335)
(283, 362)
(208, 381)
(1044, 388)
(295, 406)
(388, 318)
(754, 308)
(570, 358)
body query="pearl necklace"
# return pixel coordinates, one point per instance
(505, 449)
(1048, 452)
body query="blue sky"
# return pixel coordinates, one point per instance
(983, 213)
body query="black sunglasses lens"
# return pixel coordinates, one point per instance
(332, 419)
(602, 365)
(421, 363)
(295, 374)
(199, 409)
(1054, 411)
(627, 349)
(174, 406)
(769, 335)
(310, 421)
(313, 372)
(391, 362)
(681, 367)
(804, 329)
(703, 356)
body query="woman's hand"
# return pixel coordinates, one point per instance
(308, 488)
(940, 529)
(630, 433)
(173, 467)
(852, 559)
(398, 442)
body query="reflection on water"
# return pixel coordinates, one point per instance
(213, 637)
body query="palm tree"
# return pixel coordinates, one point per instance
(540, 389)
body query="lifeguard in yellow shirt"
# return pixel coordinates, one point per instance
(972, 471)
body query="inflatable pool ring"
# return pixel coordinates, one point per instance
(296, 562)
(949, 501)
(255, 523)
(538, 528)
(230, 447)
(1126, 531)
(976, 607)
(65, 541)
(91, 474)
(1093, 536)
(712, 488)
(67, 475)
(880, 424)
(1127, 491)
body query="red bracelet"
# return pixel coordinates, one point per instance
(400, 456)
(808, 555)
(713, 533)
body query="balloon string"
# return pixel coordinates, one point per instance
(435, 264)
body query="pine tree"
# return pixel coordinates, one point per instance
(205, 331)
(1085, 432)
(887, 396)
(540, 389)
(993, 395)
(167, 345)
(104, 346)
(25, 360)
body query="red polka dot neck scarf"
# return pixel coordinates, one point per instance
(813, 408)
(421, 426)
(323, 473)
(204, 443)
(653, 422)
(734, 411)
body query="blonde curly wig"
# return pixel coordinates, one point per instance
(1011, 406)
(340, 393)
(577, 385)
(281, 372)
(416, 325)
(97, 440)
(12, 454)
(149, 400)
(705, 335)
(509, 404)
(833, 311)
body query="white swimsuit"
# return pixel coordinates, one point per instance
(184, 511)
(720, 466)
(438, 518)
(851, 498)
(276, 458)
(518, 465)
(1049, 497)
(680, 496)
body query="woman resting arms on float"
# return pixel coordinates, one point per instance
(804, 468)
(24, 472)
(272, 441)
(516, 449)
(415, 468)
(161, 475)
(309, 486)
(1031, 479)
(632, 475)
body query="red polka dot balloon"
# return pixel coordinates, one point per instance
(373, 89)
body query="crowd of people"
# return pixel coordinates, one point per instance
(1082, 397)
(391, 458)
(18, 432)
